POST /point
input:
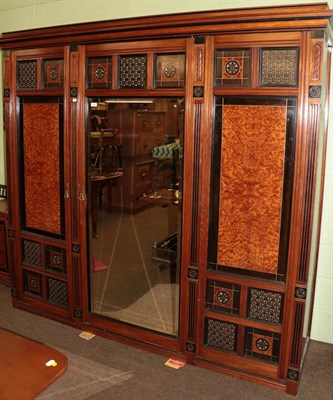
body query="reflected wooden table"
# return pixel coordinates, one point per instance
(97, 183)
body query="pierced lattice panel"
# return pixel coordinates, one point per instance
(221, 335)
(279, 67)
(27, 74)
(57, 291)
(32, 253)
(133, 71)
(265, 305)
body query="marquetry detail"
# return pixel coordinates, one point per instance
(6, 69)
(133, 71)
(170, 70)
(279, 67)
(11, 233)
(32, 253)
(262, 345)
(75, 248)
(293, 374)
(199, 64)
(77, 314)
(265, 305)
(223, 297)
(55, 259)
(296, 350)
(33, 283)
(57, 292)
(99, 72)
(316, 60)
(27, 74)
(73, 91)
(198, 91)
(53, 73)
(192, 273)
(13, 293)
(232, 67)
(190, 347)
(315, 92)
(221, 335)
(6, 93)
(300, 293)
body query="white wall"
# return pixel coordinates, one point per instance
(27, 14)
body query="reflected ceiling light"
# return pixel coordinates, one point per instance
(136, 101)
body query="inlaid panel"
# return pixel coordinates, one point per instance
(279, 67)
(251, 186)
(55, 259)
(99, 72)
(223, 297)
(170, 70)
(262, 345)
(33, 283)
(53, 73)
(41, 150)
(232, 67)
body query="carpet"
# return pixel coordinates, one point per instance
(27, 367)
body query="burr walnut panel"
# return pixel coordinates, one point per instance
(251, 186)
(41, 158)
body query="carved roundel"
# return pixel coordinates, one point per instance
(222, 297)
(232, 67)
(170, 70)
(315, 91)
(99, 72)
(262, 344)
(53, 74)
(56, 260)
(300, 293)
(33, 283)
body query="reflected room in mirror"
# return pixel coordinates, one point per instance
(135, 153)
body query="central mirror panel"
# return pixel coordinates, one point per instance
(135, 169)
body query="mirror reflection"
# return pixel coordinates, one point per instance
(135, 153)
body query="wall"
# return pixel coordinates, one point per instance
(27, 14)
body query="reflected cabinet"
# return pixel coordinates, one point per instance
(165, 182)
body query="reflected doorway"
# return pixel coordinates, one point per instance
(135, 169)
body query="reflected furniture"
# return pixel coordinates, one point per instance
(98, 182)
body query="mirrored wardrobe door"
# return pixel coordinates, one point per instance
(135, 153)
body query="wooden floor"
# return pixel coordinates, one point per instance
(27, 367)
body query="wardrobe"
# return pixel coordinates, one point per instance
(165, 180)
